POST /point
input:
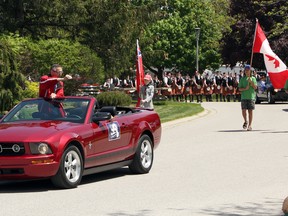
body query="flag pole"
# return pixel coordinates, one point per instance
(253, 42)
(139, 73)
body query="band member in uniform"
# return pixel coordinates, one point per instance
(179, 86)
(167, 84)
(224, 86)
(198, 87)
(194, 86)
(173, 86)
(208, 88)
(218, 86)
(237, 92)
(188, 89)
(128, 84)
(157, 84)
(115, 81)
(230, 87)
(107, 85)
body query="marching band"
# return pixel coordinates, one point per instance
(185, 88)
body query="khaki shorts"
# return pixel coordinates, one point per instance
(248, 104)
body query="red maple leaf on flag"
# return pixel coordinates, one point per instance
(276, 62)
(275, 67)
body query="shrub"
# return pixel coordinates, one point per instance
(31, 90)
(114, 98)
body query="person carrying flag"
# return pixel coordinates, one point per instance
(147, 93)
(247, 86)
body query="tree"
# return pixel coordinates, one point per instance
(272, 16)
(112, 27)
(171, 42)
(31, 59)
(11, 81)
(42, 19)
(76, 60)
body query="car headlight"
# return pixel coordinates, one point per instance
(40, 148)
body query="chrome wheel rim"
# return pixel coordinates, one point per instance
(72, 166)
(146, 154)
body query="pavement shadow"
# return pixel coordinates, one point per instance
(236, 131)
(245, 131)
(26, 186)
(267, 208)
(32, 186)
(103, 176)
(276, 132)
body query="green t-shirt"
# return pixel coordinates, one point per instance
(249, 94)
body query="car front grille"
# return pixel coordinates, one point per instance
(11, 171)
(12, 149)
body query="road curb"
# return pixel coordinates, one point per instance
(205, 112)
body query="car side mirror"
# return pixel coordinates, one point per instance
(101, 116)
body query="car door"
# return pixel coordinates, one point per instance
(111, 140)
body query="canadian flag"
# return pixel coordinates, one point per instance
(276, 69)
(139, 72)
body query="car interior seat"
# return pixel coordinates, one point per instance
(110, 109)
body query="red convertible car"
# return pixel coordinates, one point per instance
(64, 139)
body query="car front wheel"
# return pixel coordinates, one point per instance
(144, 155)
(70, 171)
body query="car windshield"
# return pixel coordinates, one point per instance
(68, 109)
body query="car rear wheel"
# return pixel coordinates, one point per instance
(144, 155)
(70, 171)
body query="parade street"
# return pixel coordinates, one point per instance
(204, 166)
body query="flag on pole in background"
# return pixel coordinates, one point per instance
(276, 69)
(139, 73)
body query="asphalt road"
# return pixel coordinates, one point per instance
(205, 165)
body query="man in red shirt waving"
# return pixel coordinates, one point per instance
(51, 86)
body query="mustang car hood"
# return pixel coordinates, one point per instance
(32, 130)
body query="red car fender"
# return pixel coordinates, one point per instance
(143, 127)
(64, 141)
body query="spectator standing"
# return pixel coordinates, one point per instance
(51, 85)
(247, 86)
(107, 84)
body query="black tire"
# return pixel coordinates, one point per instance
(270, 98)
(144, 156)
(257, 100)
(70, 170)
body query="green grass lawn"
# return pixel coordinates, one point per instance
(174, 110)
